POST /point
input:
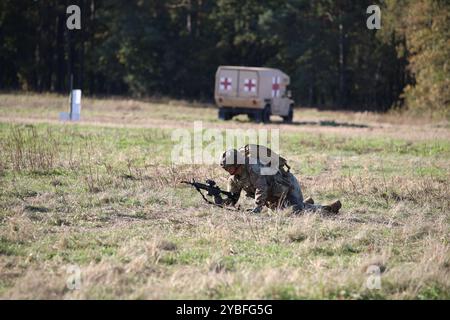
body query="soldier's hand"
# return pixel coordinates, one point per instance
(254, 210)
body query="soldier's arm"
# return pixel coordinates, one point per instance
(262, 190)
(235, 189)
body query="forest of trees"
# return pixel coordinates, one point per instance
(172, 48)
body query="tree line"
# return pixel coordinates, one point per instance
(172, 48)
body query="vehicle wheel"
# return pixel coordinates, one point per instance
(265, 114)
(224, 114)
(290, 116)
(257, 117)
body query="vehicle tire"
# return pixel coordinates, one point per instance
(225, 114)
(265, 114)
(257, 117)
(290, 116)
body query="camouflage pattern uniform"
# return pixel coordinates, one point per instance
(279, 190)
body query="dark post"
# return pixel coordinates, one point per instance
(70, 94)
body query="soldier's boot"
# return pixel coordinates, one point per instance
(333, 207)
(309, 200)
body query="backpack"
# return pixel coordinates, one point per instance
(264, 155)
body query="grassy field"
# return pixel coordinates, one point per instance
(103, 198)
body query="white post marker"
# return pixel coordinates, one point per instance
(75, 107)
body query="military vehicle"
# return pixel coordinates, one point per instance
(256, 92)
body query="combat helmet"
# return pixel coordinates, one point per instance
(231, 157)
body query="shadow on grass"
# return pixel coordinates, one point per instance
(35, 209)
(322, 123)
(329, 123)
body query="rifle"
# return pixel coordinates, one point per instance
(213, 191)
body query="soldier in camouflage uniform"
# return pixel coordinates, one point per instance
(278, 190)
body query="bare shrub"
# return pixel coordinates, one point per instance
(27, 149)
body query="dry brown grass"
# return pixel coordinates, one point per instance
(110, 203)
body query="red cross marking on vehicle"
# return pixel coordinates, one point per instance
(275, 86)
(249, 84)
(225, 83)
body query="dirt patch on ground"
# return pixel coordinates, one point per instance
(406, 132)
